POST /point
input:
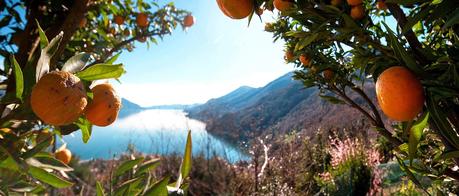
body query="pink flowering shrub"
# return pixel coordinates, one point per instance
(352, 170)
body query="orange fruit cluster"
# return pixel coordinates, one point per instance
(59, 98)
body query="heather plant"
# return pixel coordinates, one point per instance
(352, 170)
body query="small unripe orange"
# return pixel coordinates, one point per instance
(63, 155)
(104, 108)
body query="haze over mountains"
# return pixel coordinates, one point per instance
(279, 107)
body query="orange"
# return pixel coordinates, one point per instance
(58, 98)
(357, 12)
(305, 60)
(400, 93)
(236, 9)
(188, 21)
(142, 20)
(289, 56)
(126, 32)
(119, 20)
(354, 2)
(283, 5)
(63, 155)
(336, 3)
(381, 5)
(328, 74)
(104, 108)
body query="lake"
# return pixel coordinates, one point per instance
(154, 131)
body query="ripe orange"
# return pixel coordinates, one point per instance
(381, 5)
(289, 56)
(400, 93)
(188, 21)
(58, 98)
(63, 155)
(119, 20)
(328, 74)
(283, 5)
(336, 3)
(142, 20)
(104, 108)
(305, 60)
(357, 12)
(354, 2)
(236, 9)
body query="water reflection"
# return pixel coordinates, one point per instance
(152, 131)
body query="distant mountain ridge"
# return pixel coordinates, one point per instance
(279, 107)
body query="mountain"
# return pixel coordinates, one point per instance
(281, 106)
(128, 108)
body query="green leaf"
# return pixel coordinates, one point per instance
(454, 19)
(101, 71)
(415, 135)
(440, 120)
(100, 190)
(85, 127)
(113, 59)
(148, 165)
(159, 188)
(10, 164)
(126, 187)
(306, 41)
(332, 99)
(411, 21)
(18, 76)
(45, 56)
(76, 63)
(448, 155)
(48, 163)
(185, 166)
(401, 52)
(127, 165)
(48, 178)
(38, 148)
(43, 39)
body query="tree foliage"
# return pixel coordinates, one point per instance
(420, 35)
(82, 37)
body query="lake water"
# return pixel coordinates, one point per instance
(151, 131)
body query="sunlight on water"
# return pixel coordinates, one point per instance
(152, 131)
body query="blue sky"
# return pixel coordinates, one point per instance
(212, 58)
